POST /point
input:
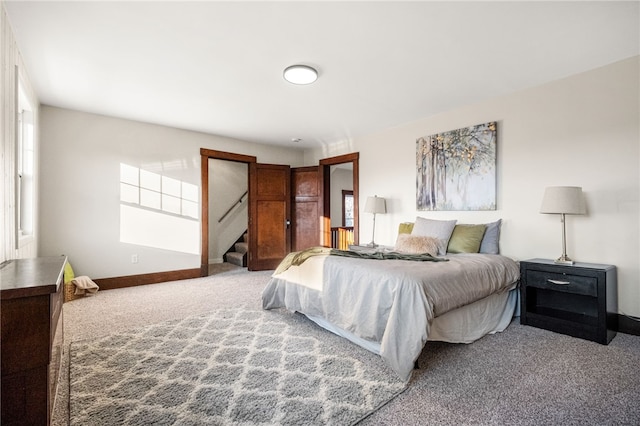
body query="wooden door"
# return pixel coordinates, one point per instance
(269, 215)
(307, 207)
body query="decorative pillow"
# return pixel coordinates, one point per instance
(466, 238)
(491, 240)
(405, 228)
(440, 229)
(69, 275)
(414, 244)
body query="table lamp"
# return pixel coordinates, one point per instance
(563, 200)
(375, 205)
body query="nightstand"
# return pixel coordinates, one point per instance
(579, 300)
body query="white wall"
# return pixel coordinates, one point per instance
(13, 68)
(582, 131)
(80, 189)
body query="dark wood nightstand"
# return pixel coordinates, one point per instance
(579, 300)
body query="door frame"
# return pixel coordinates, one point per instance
(326, 163)
(205, 155)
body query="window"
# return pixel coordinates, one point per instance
(347, 208)
(24, 167)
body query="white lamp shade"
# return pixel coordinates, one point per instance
(563, 199)
(375, 205)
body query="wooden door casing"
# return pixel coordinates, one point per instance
(205, 155)
(269, 215)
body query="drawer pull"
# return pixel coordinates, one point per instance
(559, 282)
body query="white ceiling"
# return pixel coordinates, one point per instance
(216, 67)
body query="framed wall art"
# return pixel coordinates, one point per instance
(456, 170)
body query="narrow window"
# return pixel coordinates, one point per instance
(347, 208)
(24, 166)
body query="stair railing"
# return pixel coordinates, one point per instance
(233, 206)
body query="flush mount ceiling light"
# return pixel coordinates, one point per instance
(300, 74)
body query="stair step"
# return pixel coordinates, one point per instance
(239, 259)
(241, 247)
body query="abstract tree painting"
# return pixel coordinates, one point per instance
(456, 170)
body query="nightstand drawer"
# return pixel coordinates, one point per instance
(575, 284)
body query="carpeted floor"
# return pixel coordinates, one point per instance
(523, 376)
(232, 366)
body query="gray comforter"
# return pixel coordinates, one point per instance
(391, 302)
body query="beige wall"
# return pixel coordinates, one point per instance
(82, 215)
(582, 131)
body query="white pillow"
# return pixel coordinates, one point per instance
(440, 229)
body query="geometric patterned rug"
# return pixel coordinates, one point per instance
(229, 367)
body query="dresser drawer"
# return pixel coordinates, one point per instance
(575, 284)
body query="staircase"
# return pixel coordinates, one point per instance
(238, 254)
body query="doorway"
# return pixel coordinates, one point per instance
(206, 203)
(339, 172)
(268, 237)
(342, 203)
(228, 215)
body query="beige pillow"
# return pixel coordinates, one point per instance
(415, 244)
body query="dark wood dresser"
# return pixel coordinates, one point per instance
(31, 296)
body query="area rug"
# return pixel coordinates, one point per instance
(229, 367)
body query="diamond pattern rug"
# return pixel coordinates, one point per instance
(232, 366)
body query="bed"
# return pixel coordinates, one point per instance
(392, 306)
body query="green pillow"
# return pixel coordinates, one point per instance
(466, 239)
(405, 228)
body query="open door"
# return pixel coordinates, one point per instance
(307, 207)
(269, 215)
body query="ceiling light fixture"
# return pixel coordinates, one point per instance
(300, 74)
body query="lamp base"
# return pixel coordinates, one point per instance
(564, 260)
(372, 244)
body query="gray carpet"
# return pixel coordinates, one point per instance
(230, 367)
(523, 376)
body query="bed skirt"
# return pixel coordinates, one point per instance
(467, 324)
